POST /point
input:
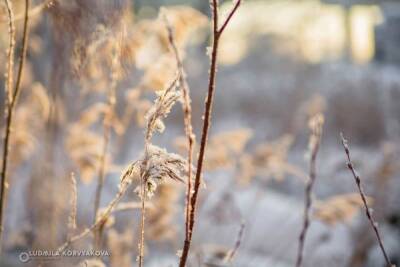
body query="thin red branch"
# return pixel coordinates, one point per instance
(230, 15)
(206, 124)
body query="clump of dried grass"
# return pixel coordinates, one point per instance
(153, 168)
(157, 164)
(339, 208)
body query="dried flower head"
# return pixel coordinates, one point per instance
(161, 108)
(315, 124)
(158, 165)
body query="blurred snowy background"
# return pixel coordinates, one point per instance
(281, 62)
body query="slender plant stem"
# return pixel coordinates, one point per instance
(142, 221)
(315, 143)
(107, 123)
(231, 255)
(368, 212)
(206, 123)
(187, 110)
(143, 173)
(143, 203)
(9, 117)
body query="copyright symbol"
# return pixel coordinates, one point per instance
(24, 257)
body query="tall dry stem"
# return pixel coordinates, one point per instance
(161, 108)
(217, 32)
(187, 110)
(232, 253)
(368, 211)
(11, 103)
(315, 140)
(107, 125)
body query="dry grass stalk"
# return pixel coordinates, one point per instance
(11, 103)
(125, 183)
(157, 163)
(316, 124)
(187, 110)
(107, 125)
(217, 32)
(368, 211)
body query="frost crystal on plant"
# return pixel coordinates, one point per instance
(157, 165)
(161, 108)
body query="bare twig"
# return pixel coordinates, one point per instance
(235, 7)
(10, 111)
(187, 110)
(229, 257)
(315, 139)
(206, 123)
(368, 212)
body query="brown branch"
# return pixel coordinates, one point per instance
(315, 140)
(206, 124)
(9, 118)
(235, 7)
(368, 213)
(187, 110)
